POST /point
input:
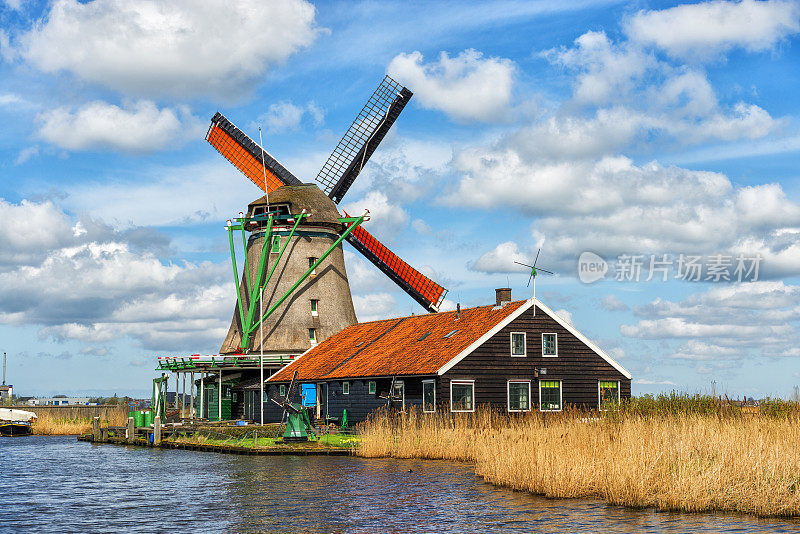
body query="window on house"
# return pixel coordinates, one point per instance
(550, 395)
(428, 396)
(314, 308)
(282, 390)
(549, 345)
(608, 395)
(311, 262)
(519, 395)
(276, 244)
(226, 392)
(312, 335)
(518, 343)
(373, 387)
(235, 396)
(265, 397)
(345, 388)
(462, 396)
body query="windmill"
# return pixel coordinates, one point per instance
(313, 268)
(534, 271)
(298, 426)
(392, 395)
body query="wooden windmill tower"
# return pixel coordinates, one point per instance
(295, 233)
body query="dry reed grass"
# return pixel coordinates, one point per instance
(76, 420)
(671, 460)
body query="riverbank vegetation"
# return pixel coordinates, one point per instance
(72, 420)
(266, 436)
(672, 452)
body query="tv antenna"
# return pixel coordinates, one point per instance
(534, 271)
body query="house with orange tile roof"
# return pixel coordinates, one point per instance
(517, 356)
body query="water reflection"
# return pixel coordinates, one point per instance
(56, 484)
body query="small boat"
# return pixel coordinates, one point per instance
(15, 428)
(16, 422)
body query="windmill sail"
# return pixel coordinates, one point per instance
(246, 155)
(421, 288)
(362, 138)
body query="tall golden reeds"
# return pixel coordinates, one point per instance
(69, 420)
(672, 457)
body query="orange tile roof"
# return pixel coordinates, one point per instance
(394, 346)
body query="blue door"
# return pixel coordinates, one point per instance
(309, 392)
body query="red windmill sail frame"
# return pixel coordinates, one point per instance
(246, 155)
(421, 288)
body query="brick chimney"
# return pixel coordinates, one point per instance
(503, 295)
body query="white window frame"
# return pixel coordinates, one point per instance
(282, 390)
(560, 395)
(508, 394)
(461, 382)
(314, 313)
(599, 398)
(345, 388)
(433, 381)
(311, 261)
(372, 387)
(312, 339)
(402, 386)
(524, 345)
(549, 355)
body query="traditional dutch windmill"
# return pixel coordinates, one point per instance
(294, 250)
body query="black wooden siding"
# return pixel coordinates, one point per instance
(492, 366)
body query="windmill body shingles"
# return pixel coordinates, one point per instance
(393, 346)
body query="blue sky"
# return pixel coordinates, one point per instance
(637, 131)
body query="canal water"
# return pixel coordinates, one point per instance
(57, 484)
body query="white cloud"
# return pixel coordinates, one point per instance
(466, 87)
(606, 71)
(286, 116)
(374, 306)
(183, 48)
(387, 219)
(565, 314)
(95, 285)
(613, 303)
(139, 127)
(16, 5)
(614, 207)
(501, 260)
(25, 154)
(706, 29)
(725, 323)
(162, 196)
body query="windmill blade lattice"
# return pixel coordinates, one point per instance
(362, 138)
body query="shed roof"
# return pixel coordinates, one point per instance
(415, 345)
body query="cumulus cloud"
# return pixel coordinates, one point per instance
(501, 260)
(387, 219)
(84, 281)
(374, 306)
(183, 48)
(467, 87)
(725, 323)
(706, 29)
(138, 127)
(614, 207)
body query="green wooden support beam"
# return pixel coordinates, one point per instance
(310, 270)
